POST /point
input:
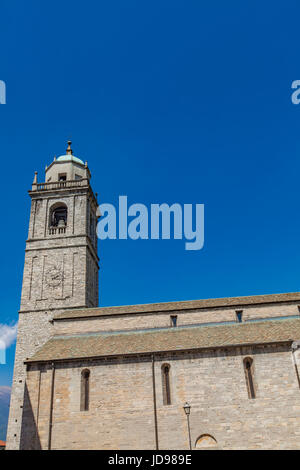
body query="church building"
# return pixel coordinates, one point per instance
(206, 374)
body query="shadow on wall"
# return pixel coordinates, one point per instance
(29, 435)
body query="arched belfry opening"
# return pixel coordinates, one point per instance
(58, 216)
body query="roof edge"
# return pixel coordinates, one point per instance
(179, 305)
(153, 353)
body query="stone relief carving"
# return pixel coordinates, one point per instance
(54, 277)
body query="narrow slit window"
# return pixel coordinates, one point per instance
(173, 319)
(239, 316)
(248, 368)
(85, 390)
(166, 384)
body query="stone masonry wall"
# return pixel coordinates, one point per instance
(155, 320)
(34, 329)
(213, 382)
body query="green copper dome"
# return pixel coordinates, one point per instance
(69, 158)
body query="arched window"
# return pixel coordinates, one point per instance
(166, 384)
(58, 215)
(206, 441)
(248, 368)
(85, 390)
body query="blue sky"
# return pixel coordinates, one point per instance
(169, 101)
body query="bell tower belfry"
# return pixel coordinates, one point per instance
(60, 269)
(61, 263)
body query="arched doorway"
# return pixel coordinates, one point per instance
(206, 441)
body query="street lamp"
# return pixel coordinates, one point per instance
(187, 410)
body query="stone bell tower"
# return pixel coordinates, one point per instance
(61, 265)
